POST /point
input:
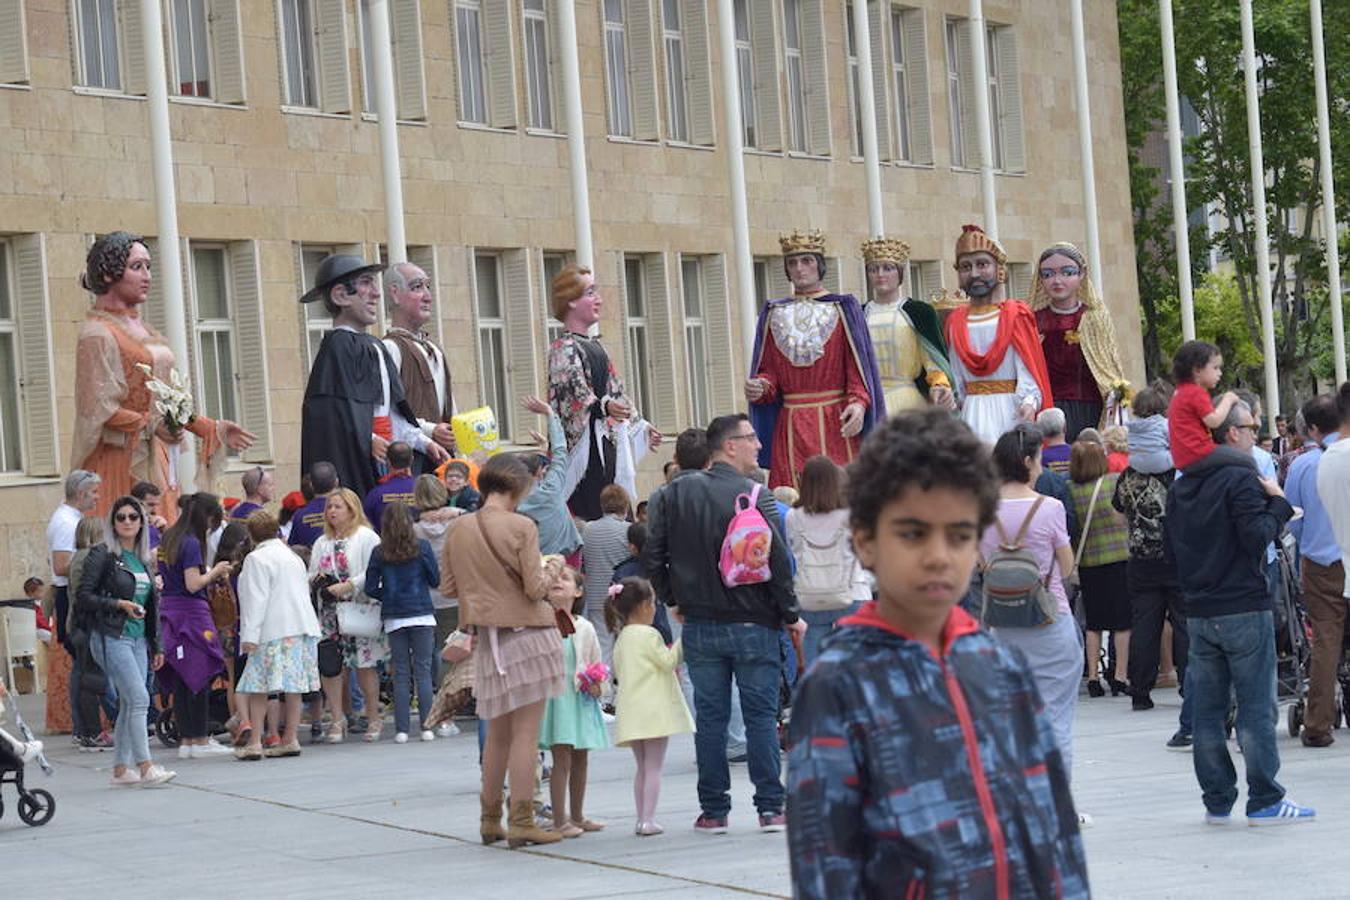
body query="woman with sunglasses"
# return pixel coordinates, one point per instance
(1079, 341)
(119, 602)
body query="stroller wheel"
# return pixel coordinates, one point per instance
(1295, 718)
(166, 729)
(37, 807)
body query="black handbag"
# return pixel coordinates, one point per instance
(330, 658)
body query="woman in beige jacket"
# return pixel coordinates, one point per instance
(491, 562)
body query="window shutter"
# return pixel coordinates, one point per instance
(250, 339)
(642, 69)
(330, 25)
(522, 350)
(878, 21)
(661, 346)
(698, 72)
(405, 26)
(768, 82)
(816, 76)
(227, 52)
(1019, 280)
(1010, 100)
(555, 74)
(132, 46)
(965, 63)
(38, 374)
(13, 43)
(721, 356)
(154, 301)
(916, 80)
(499, 63)
(832, 275)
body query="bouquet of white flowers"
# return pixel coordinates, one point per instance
(173, 401)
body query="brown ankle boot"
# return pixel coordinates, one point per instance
(491, 826)
(521, 828)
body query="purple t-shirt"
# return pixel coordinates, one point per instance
(393, 489)
(189, 557)
(1048, 531)
(307, 523)
(242, 510)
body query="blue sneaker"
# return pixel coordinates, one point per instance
(1286, 812)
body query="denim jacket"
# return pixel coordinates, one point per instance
(403, 588)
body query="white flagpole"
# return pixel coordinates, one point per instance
(386, 110)
(1181, 235)
(1328, 192)
(743, 288)
(576, 136)
(1272, 404)
(1094, 245)
(867, 110)
(983, 125)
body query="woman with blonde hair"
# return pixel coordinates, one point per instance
(337, 571)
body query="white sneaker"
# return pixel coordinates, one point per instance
(209, 749)
(428, 734)
(184, 751)
(401, 737)
(156, 775)
(447, 729)
(128, 777)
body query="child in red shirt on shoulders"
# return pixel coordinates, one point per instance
(1191, 417)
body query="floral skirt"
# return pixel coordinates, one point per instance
(357, 652)
(516, 667)
(288, 665)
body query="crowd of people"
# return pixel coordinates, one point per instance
(904, 566)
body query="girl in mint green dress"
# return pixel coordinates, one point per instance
(572, 724)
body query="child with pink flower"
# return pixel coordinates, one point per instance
(572, 724)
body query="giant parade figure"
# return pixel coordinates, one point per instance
(120, 432)
(1078, 339)
(906, 336)
(996, 354)
(354, 406)
(423, 368)
(605, 435)
(813, 386)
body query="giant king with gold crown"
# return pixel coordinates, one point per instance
(814, 387)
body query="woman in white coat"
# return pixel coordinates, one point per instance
(279, 631)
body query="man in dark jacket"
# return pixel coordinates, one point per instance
(1220, 517)
(727, 631)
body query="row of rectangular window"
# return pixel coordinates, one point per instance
(780, 56)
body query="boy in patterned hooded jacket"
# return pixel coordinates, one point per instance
(920, 761)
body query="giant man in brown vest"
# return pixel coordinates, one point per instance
(422, 365)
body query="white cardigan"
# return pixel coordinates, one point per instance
(274, 596)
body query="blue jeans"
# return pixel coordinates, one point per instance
(818, 625)
(1234, 653)
(714, 652)
(410, 653)
(125, 661)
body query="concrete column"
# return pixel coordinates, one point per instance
(170, 262)
(386, 109)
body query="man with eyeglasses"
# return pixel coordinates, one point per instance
(354, 406)
(1220, 518)
(998, 367)
(259, 488)
(1078, 339)
(422, 365)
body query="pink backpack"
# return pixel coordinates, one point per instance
(745, 549)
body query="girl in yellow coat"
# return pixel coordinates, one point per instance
(650, 707)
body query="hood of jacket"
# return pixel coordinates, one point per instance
(1150, 447)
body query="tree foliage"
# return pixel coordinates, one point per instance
(1210, 79)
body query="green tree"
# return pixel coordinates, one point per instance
(1210, 78)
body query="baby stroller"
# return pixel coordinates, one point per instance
(166, 725)
(1293, 646)
(36, 806)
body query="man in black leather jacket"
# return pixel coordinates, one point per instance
(727, 631)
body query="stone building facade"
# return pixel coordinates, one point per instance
(277, 163)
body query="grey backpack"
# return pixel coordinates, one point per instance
(1014, 594)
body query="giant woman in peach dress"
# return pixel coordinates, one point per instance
(118, 433)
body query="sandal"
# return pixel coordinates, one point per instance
(336, 731)
(243, 733)
(588, 825)
(568, 830)
(373, 732)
